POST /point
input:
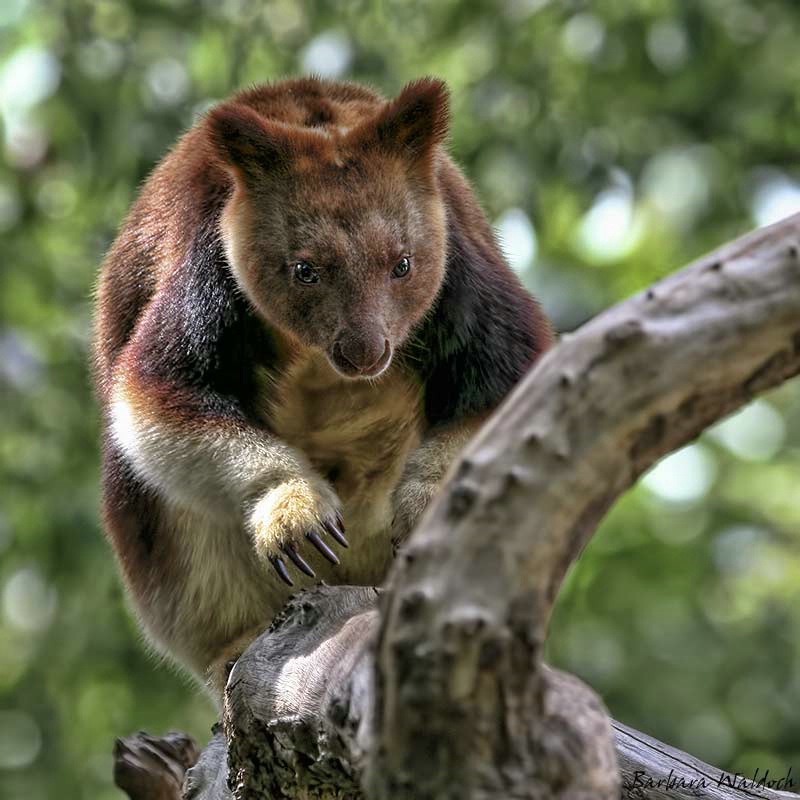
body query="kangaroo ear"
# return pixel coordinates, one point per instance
(245, 141)
(414, 122)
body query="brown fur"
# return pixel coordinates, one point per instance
(244, 408)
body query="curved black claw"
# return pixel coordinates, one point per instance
(298, 561)
(313, 537)
(280, 568)
(336, 529)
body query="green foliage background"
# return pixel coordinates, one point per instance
(611, 141)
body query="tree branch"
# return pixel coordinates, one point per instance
(442, 692)
(656, 771)
(153, 767)
(458, 665)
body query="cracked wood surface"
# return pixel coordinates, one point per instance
(441, 692)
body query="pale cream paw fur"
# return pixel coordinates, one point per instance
(293, 521)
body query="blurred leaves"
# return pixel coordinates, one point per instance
(610, 141)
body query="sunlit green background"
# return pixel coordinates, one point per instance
(610, 142)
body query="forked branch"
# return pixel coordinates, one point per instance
(441, 691)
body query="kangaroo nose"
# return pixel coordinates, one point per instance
(363, 353)
(362, 356)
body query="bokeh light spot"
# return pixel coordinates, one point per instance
(517, 237)
(756, 433)
(167, 82)
(678, 182)
(20, 740)
(31, 75)
(774, 199)
(683, 477)
(29, 604)
(736, 548)
(667, 45)
(328, 54)
(583, 36)
(609, 229)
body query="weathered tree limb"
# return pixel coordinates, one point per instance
(650, 770)
(153, 767)
(450, 699)
(656, 771)
(320, 653)
(318, 660)
(458, 665)
(325, 743)
(322, 759)
(208, 778)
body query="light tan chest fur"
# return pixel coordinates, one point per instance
(356, 433)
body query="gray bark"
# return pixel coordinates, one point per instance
(458, 672)
(153, 767)
(440, 692)
(656, 771)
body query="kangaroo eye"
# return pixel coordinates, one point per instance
(305, 273)
(402, 268)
